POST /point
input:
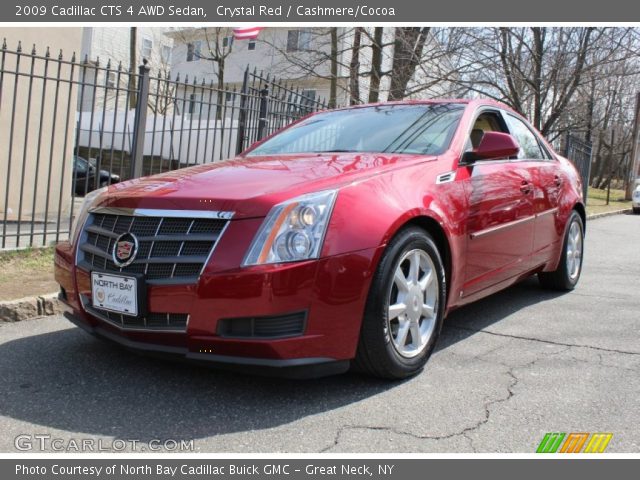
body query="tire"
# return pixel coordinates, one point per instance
(636, 210)
(566, 276)
(381, 350)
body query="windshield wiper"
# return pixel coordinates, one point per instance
(338, 150)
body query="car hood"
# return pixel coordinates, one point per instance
(250, 186)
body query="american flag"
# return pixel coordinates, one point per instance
(246, 33)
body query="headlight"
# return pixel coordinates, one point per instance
(293, 230)
(79, 219)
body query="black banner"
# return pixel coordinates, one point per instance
(359, 11)
(307, 469)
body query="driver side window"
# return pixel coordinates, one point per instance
(488, 121)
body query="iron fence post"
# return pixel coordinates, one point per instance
(140, 121)
(242, 116)
(262, 123)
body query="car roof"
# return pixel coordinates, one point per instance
(463, 101)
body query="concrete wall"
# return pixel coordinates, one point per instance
(37, 180)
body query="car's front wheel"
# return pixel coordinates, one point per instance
(566, 276)
(405, 307)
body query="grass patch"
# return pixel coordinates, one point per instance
(27, 272)
(597, 201)
(28, 258)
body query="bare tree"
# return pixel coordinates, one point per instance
(408, 49)
(218, 46)
(354, 67)
(376, 65)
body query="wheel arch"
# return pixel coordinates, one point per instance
(434, 227)
(579, 207)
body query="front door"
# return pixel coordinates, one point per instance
(501, 218)
(500, 224)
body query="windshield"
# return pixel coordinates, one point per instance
(414, 129)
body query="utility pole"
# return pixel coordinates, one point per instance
(634, 171)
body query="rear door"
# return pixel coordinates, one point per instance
(500, 221)
(547, 188)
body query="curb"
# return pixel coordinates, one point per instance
(594, 216)
(45, 305)
(30, 307)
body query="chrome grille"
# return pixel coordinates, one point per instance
(170, 249)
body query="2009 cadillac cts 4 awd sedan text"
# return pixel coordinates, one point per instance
(343, 240)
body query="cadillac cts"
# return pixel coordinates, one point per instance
(341, 241)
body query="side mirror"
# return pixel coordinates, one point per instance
(493, 145)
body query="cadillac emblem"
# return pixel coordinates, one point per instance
(125, 250)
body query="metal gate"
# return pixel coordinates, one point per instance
(579, 152)
(69, 125)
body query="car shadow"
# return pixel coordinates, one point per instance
(70, 381)
(470, 319)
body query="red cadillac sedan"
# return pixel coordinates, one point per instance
(343, 240)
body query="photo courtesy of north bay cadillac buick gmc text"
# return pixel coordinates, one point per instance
(340, 242)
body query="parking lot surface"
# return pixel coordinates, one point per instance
(507, 370)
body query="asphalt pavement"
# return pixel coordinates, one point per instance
(508, 369)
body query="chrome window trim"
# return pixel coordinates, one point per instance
(153, 212)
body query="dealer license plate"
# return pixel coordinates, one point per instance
(115, 293)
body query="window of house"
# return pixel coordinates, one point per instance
(252, 45)
(111, 79)
(298, 40)
(147, 47)
(192, 103)
(228, 96)
(227, 42)
(166, 54)
(193, 51)
(529, 145)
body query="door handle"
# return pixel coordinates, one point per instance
(525, 187)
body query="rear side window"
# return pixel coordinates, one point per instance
(529, 145)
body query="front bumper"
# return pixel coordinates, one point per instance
(332, 291)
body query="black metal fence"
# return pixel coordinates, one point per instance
(579, 152)
(69, 126)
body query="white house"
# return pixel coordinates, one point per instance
(298, 55)
(114, 43)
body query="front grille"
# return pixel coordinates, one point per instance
(280, 326)
(170, 249)
(150, 321)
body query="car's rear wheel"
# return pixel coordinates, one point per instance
(636, 210)
(405, 308)
(566, 276)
